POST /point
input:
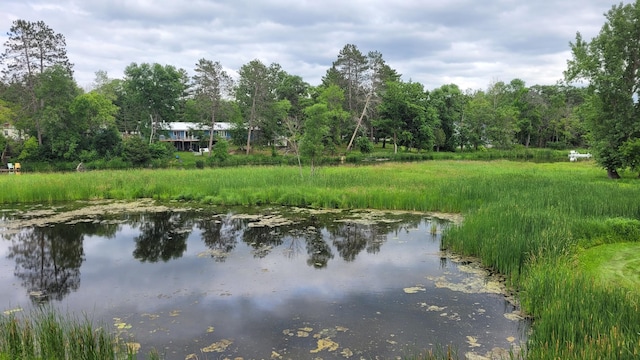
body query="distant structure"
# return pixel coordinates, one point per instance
(574, 156)
(186, 136)
(9, 131)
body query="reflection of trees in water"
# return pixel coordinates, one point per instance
(163, 236)
(350, 238)
(263, 238)
(48, 259)
(318, 250)
(220, 235)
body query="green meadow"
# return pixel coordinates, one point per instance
(565, 237)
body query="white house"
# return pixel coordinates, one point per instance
(186, 135)
(10, 132)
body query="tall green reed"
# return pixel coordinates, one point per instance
(45, 334)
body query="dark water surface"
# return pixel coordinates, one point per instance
(256, 283)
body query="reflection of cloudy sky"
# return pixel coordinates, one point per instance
(252, 300)
(110, 275)
(267, 282)
(466, 42)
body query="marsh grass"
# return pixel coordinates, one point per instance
(45, 334)
(528, 221)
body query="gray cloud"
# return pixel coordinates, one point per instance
(466, 42)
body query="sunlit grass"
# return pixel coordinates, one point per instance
(614, 265)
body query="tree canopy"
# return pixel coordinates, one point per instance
(610, 63)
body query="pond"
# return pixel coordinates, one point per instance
(256, 283)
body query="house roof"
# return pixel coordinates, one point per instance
(186, 126)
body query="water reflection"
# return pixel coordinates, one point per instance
(48, 259)
(220, 235)
(253, 282)
(163, 236)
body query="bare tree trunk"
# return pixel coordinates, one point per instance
(395, 142)
(211, 131)
(613, 174)
(364, 110)
(153, 129)
(248, 140)
(252, 117)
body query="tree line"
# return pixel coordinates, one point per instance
(361, 100)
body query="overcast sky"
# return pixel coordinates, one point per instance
(470, 43)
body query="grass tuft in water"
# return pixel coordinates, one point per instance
(45, 334)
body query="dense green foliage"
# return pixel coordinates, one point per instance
(59, 123)
(610, 62)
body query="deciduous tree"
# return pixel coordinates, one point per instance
(315, 132)
(610, 63)
(31, 48)
(255, 94)
(212, 84)
(154, 92)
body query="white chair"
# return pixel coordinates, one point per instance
(10, 167)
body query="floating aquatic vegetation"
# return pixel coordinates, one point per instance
(496, 353)
(271, 221)
(452, 316)
(264, 220)
(413, 289)
(46, 217)
(432, 307)
(120, 325)
(330, 332)
(341, 329)
(218, 346)
(150, 316)
(325, 344)
(514, 316)
(315, 211)
(472, 341)
(480, 282)
(346, 353)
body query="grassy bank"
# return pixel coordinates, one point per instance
(534, 223)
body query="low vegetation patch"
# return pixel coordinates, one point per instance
(46, 334)
(614, 265)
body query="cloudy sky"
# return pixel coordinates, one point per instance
(470, 43)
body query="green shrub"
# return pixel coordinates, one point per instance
(221, 150)
(364, 144)
(136, 151)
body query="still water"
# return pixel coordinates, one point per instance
(258, 283)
